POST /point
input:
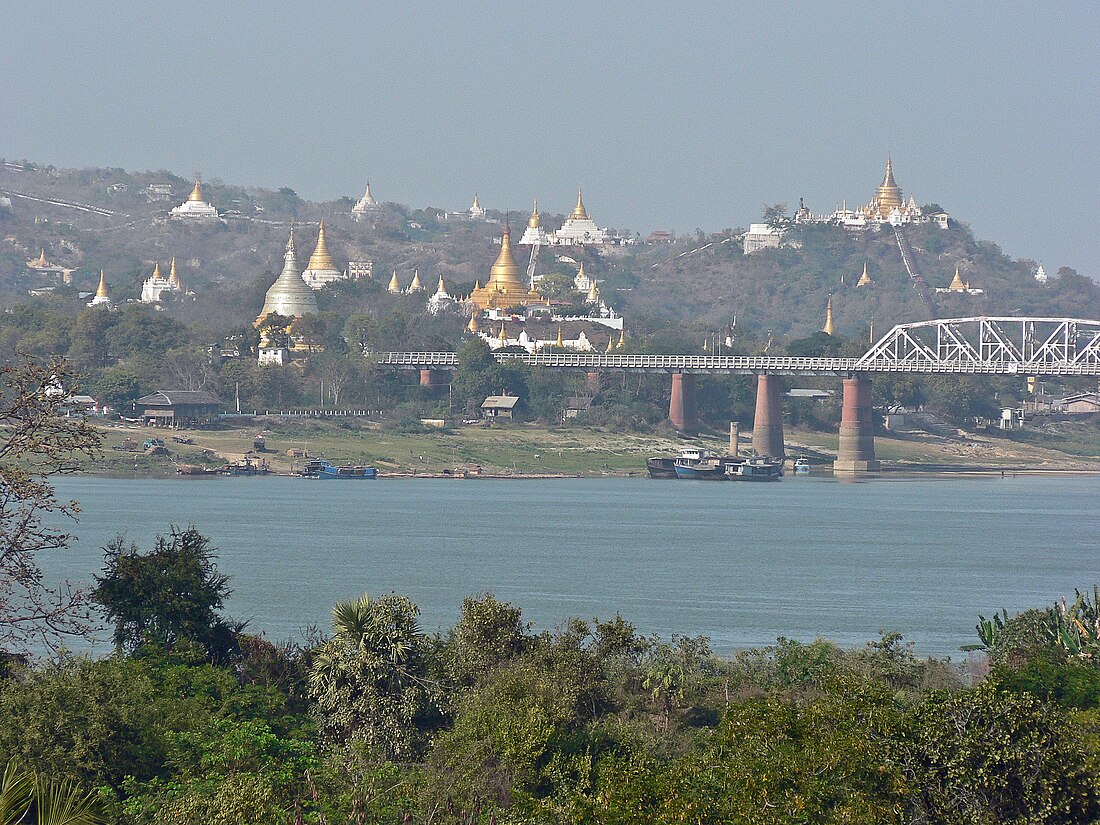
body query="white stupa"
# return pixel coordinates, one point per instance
(579, 228)
(441, 299)
(476, 212)
(321, 269)
(101, 299)
(195, 207)
(154, 287)
(365, 205)
(1041, 275)
(534, 234)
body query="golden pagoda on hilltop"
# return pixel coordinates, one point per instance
(196, 193)
(174, 278)
(102, 298)
(888, 195)
(504, 287)
(41, 261)
(578, 213)
(394, 286)
(829, 329)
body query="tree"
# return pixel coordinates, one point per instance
(775, 215)
(366, 683)
(36, 443)
(559, 286)
(29, 799)
(167, 597)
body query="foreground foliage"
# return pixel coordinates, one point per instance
(591, 722)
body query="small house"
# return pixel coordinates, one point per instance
(576, 407)
(178, 408)
(498, 406)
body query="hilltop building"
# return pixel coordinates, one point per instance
(154, 287)
(581, 281)
(534, 234)
(887, 206)
(760, 236)
(579, 228)
(365, 205)
(959, 287)
(504, 287)
(289, 295)
(102, 298)
(195, 207)
(864, 279)
(476, 213)
(41, 264)
(360, 270)
(321, 269)
(1041, 275)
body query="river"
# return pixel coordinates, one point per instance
(741, 563)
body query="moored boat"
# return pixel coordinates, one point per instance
(758, 468)
(699, 464)
(661, 466)
(347, 472)
(802, 466)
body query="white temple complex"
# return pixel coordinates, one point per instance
(476, 212)
(579, 228)
(534, 234)
(156, 285)
(441, 299)
(365, 205)
(194, 206)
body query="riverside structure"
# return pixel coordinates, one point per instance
(1062, 347)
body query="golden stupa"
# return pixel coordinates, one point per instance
(504, 287)
(321, 260)
(534, 221)
(416, 286)
(289, 295)
(622, 338)
(864, 279)
(473, 328)
(593, 296)
(957, 284)
(829, 329)
(196, 193)
(888, 194)
(101, 290)
(394, 287)
(41, 259)
(173, 277)
(156, 270)
(578, 213)
(561, 341)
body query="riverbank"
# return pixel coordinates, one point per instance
(529, 450)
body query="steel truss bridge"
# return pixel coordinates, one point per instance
(954, 346)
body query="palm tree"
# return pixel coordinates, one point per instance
(27, 799)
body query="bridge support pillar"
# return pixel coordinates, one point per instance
(681, 404)
(767, 428)
(857, 430)
(431, 378)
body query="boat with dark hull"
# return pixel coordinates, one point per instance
(347, 472)
(757, 468)
(661, 466)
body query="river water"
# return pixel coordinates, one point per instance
(741, 563)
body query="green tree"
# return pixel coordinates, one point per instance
(169, 596)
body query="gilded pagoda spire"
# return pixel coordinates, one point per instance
(41, 257)
(101, 290)
(593, 296)
(416, 286)
(534, 221)
(473, 327)
(156, 270)
(957, 284)
(610, 343)
(394, 287)
(196, 193)
(578, 213)
(560, 343)
(173, 276)
(502, 337)
(622, 338)
(504, 287)
(829, 329)
(864, 279)
(441, 289)
(321, 260)
(888, 195)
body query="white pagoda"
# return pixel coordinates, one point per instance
(156, 284)
(195, 207)
(441, 299)
(101, 299)
(365, 205)
(534, 234)
(476, 212)
(579, 228)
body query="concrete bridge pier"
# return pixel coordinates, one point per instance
(681, 405)
(857, 430)
(767, 428)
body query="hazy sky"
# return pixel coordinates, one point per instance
(673, 115)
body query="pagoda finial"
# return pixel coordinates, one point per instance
(473, 327)
(196, 193)
(394, 287)
(101, 290)
(560, 343)
(156, 270)
(502, 337)
(173, 276)
(829, 329)
(622, 338)
(864, 279)
(534, 220)
(579, 213)
(957, 284)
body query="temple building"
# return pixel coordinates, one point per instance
(864, 279)
(534, 234)
(365, 205)
(321, 269)
(581, 281)
(476, 212)
(195, 206)
(42, 265)
(887, 206)
(102, 298)
(1041, 275)
(760, 236)
(441, 299)
(579, 228)
(156, 285)
(959, 287)
(504, 287)
(289, 295)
